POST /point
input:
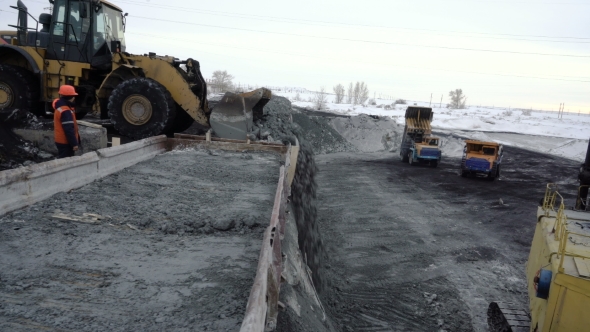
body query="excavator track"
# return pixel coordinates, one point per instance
(504, 317)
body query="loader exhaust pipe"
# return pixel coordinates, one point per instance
(22, 25)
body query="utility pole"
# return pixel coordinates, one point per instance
(441, 97)
(430, 103)
(561, 109)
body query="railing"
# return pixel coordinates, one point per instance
(560, 230)
(550, 197)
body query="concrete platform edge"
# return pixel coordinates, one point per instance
(31, 184)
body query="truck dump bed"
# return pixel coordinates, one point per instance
(418, 119)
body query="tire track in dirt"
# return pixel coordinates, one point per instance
(421, 249)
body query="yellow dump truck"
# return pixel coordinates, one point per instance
(482, 158)
(82, 43)
(418, 146)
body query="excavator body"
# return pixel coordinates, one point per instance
(558, 268)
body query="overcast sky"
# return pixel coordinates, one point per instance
(520, 53)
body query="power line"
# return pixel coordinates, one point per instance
(366, 41)
(565, 79)
(323, 23)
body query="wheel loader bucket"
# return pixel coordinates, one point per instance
(233, 116)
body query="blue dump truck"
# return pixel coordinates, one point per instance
(418, 146)
(482, 158)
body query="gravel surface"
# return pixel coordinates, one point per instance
(177, 249)
(412, 248)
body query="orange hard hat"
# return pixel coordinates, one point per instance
(67, 90)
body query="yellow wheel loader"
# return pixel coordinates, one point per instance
(82, 43)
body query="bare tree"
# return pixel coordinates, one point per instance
(221, 81)
(339, 92)
(350, 94)
(363, 92)
(320, 98)
(458, 99)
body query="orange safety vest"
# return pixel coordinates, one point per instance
(59, 133)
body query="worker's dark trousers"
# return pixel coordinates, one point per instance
(64, 150)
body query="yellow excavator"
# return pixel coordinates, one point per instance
(82, 43)
(558, 269)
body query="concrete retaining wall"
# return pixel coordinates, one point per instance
(27, 185)
(116, 158)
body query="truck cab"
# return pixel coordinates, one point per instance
(482, 158)
(426, 151)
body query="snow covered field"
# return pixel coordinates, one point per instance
(540, 131)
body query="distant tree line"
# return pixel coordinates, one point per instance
(357, 93)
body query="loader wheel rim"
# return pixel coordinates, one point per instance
(137, 110)
(6, 95)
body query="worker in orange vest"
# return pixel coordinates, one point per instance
(67, 138)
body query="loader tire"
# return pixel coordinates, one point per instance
(19, 89)
(141, 107)
(182, 121)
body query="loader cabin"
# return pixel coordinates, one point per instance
(86, 31)
(487, 149)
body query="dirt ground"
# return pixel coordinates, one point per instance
(414, 248)
(177, 249)
(405, 248)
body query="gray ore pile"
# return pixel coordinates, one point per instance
(14, 151)
(279, 123)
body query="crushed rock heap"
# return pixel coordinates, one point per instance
(15, 151)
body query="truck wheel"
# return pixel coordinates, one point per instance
(498, 171)
(182, 121)
(19, 89)
(404, 157)
(141, 107)
(493, 172)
